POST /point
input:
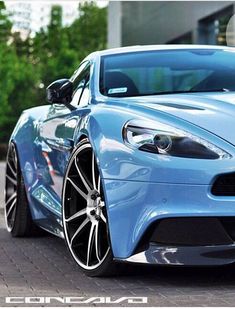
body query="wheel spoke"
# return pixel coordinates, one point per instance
(93, 170)
(13, 181)
(96, 241)
(12, 207)
(14, 158)
(76, 215)
(11, 169)
(98, 189)
(14, 195)
(78, 189)
(103, 217)
(90, 243)
(85, 227)
(84, 180)
(84, 223)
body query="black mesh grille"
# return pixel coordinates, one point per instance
(189, 231)
(224, 185)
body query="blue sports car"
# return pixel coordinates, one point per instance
(133, 159)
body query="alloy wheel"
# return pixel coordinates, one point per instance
(84, 211)
(11, 187)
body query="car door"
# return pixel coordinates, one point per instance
(57, 138)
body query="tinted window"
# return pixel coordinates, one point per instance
(80, 81)
(155, 72)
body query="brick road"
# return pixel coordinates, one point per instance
(43, 267)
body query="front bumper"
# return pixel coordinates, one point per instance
(133, 206)
(188, 256)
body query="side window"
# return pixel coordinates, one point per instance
(80, 81)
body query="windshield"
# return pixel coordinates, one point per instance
(169, 71)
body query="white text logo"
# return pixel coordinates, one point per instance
(76, 300)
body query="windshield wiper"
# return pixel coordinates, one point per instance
(187, 91)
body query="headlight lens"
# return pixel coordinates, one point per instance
(162, 139)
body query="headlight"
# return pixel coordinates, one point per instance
(162, 139)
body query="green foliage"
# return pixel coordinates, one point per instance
(29, 66)
(8, 60)
(88, 33)
(5, 24)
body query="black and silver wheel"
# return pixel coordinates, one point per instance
(17, 214)
(84, 213)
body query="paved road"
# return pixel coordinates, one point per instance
(42, 266)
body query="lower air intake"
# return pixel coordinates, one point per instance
(224, 185)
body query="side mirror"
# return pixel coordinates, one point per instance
(60, 91)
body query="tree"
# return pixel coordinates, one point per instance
(58, 50)
(5, 24)
(28, 66)
(18, 77)
(88, 33)
(52, 54)
(8, 60)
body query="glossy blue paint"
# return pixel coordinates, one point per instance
(140, 187)
(143, 203)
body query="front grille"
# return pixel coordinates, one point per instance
(189, 231)
(224, 185)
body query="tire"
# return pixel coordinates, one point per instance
(17, 213)
(85, 218)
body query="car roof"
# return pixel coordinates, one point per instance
(139, 48)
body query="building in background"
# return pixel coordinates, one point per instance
(168, 22)
(28, 16)
(20, 15)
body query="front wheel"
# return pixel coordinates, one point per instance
(84, 214)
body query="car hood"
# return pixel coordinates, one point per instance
(214, 112)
